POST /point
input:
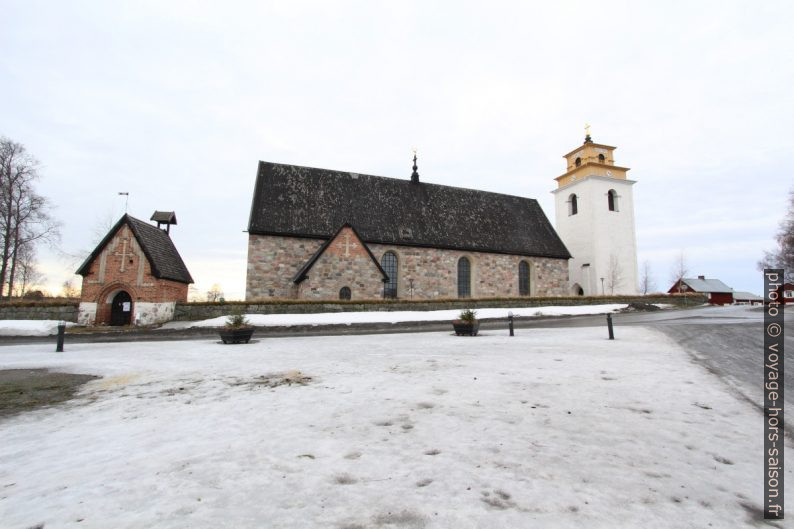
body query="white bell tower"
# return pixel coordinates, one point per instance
(595, 218)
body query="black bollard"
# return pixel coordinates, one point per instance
(61, 331)
(609, 326)
(510, 324)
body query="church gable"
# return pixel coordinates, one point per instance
(153, 244)
(342, 262)
(120, 257)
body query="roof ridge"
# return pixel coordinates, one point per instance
(398, 179)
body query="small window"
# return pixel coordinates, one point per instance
(344, 293)
(464, 278)
(389, 264)
(601, 158)
(573, 206)
(523, 278)
(612, 200)
(578, 161)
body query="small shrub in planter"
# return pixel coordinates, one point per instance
(237, 330)
(466, 324)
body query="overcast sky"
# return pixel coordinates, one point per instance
(175, 103)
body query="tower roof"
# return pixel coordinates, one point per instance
(164, 217)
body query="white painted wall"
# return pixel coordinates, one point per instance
(595, 233)
(86, 314)
(151, 313)
(143, 313)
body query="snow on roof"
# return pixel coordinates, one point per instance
(746, 296)
(707, 285)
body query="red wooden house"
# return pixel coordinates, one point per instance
(718, 292)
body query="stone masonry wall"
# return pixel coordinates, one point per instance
(273, 261)
(344, 263)
(39, 312)
(435, 273)
(203, 310)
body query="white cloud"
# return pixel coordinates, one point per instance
(176, 102)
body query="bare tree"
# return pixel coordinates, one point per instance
(69, 290)
(215, 293)
(614, 273)
(679, 271)
(24, 217)
(193, 293)
(102, 225)
(29, 274)
(647, 283)
(783, 255)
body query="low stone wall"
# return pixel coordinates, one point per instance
(203, 311)
(38, 311)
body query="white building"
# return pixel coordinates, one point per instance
(595, 219)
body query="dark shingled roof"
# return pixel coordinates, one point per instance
(165, 261)
(164, 217)
(307, 202)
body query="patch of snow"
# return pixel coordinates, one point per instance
(30, 327)
(556, 428)
(347, 318)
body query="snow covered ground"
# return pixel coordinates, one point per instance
(30, 327)
(554, 428)
(343, 318)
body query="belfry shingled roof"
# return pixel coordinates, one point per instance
(299, 201)
(163, 257)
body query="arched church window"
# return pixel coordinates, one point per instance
(573, 206)
(601, 158)
(464, 278)
(612, 200)
(523, 278)
(344, 293)
(389, 264)
(578, 161)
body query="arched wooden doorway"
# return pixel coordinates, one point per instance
(121, 309)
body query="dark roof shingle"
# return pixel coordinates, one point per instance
(307, 202)
(163, 257)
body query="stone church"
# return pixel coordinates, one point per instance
(135, 275)
(319, 234)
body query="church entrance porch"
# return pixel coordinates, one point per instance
(121, 309)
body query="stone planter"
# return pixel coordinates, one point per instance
(239, 335)
(466, 328)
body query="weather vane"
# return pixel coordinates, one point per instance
(126, 200)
